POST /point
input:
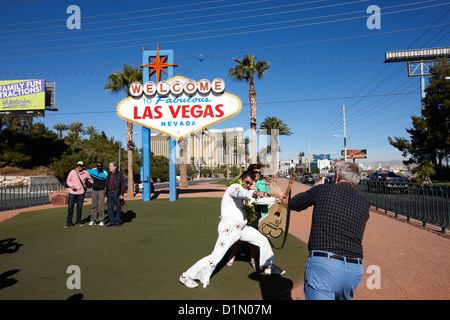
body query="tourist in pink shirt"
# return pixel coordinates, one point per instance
(77, 183)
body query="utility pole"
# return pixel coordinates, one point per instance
(345, 135)
(309, 157)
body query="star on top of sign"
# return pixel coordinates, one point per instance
(158, 65)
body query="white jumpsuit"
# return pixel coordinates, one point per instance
(233, 227)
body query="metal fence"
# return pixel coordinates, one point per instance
(16, 197)
(425, 203)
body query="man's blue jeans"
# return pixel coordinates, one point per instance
(78, 199)
(113, 201)
(331, 279)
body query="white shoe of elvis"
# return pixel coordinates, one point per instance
(273, 269)
(188, 281)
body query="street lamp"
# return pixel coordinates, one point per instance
(120, 145)
(345, 145)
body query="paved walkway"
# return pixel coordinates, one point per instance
(413, 261)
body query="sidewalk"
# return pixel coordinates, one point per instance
(413, 261)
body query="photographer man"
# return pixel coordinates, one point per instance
(334, 268)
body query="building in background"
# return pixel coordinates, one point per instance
(208, 148)
(321, 156)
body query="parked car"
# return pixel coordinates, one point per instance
(388, 177)
(391, 180)
(308, 178)
(329, 180)
(141, 187)
(303, 176)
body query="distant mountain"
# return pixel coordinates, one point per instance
(385, 164)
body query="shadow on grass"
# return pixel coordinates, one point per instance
(126, 217)
(6, 281)
(160, 239)
(9, 245)
(75, 297)
(271, 285)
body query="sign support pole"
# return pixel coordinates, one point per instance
(172, 170)
(146, 137)
(146, 142)
(172, 141)
(146, 167)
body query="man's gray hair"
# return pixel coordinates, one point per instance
(350, 172)
(114, 164)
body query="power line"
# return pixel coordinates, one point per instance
(15, 2)
(400, 66)
(426, 31)
(111, 14)
(231, 34)
(269, 102)
(153, 21)
(384, 122)
(388, 77)
(197, 32)
(361, 115)
(271, 14)
(307, 61)
(332, 126)
(23, 73)
(228, 28)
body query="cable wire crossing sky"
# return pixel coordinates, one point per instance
(324, 55)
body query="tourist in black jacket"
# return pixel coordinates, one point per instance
(115, 189)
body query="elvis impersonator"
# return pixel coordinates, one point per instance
(233, 227)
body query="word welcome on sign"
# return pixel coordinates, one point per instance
(178, 106)
(177, 87)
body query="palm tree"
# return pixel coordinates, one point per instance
(246, 142)
(246, 69)
(225, 142)
(76, 128)
(120, 82)
(91, 131)
(60, 127)
(275, 125)
(182, 143)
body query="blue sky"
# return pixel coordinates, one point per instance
(322, 54)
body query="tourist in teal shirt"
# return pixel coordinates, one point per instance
(260, 211)
(98, 194)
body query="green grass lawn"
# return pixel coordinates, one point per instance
(142, 259)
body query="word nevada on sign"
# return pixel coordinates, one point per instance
(179, 106)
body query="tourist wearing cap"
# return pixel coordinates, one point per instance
(77, 183)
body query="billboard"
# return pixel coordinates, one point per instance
(22, 95)
(355, 154)
(179, 107)
(416, 54)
